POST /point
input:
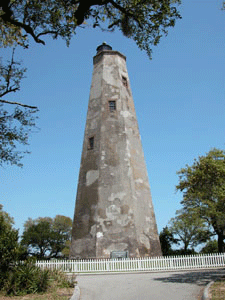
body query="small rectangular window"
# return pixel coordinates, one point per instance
(91, 143)
(112, 105)
(124, 80)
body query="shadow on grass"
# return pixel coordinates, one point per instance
(200, 278)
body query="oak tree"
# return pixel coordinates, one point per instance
(189, 231)
(203, 187)
(145, 21)
(47, 237)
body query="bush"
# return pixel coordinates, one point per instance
(210, 247)
(21, 278)
(26, 278)
(9, 246)
(61, 279)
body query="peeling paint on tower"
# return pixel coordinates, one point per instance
(114, 210)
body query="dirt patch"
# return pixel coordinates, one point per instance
(58, 294)
(217, 290)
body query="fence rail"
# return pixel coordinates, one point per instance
(149, 264)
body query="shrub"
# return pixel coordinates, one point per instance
(8, 246)
(26, 278)
(61, 279)
(21, 278)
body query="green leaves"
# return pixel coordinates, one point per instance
(36, 18)
(203, 187)
(21, 278)
(47, 237)
(15, 127)
(16, 123)
(26, 278)
(9, 247)
(145, 21)
(167, 240)
(189, 229)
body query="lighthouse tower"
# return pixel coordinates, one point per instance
(114, 212)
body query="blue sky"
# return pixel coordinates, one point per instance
(179, 97)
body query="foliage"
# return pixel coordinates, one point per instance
(11, 75)
(26, 278)
(9, 247)
(47, 237)
(16, 123)
(20, 278)
(36, 237)
(61, 279)
(15, 127)
(203, 187)
(189, 231)
(167, 240)
(62, 227)
(145, 21)
(210, 247)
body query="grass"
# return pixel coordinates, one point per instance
(217, 290)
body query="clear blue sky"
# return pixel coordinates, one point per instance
(180, 103)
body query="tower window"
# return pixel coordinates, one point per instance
(91, 143)
(124, 80)
(112, 105)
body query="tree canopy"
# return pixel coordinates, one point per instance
(145, 21)
(203, 187)
(15, 126)
(16, 119)
(167, 240)
(210, 247)
(8, 245)
(47, 237)
(188, 231)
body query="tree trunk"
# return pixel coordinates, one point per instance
(220, 243)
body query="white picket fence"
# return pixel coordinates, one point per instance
(170, 263)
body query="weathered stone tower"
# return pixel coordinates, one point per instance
(114, 209)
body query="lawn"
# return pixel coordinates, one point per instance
(217, 290)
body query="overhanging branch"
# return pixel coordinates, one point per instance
(7, 17)
(18, 103)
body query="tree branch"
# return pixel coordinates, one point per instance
(27, 28)
(84, 7)
(48, 32)
(124, 11)
(17, 103)
(7, 17)
(9, 90)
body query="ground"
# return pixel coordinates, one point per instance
(62, 294)
(217, 290)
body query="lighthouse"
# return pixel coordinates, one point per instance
(114, 214)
